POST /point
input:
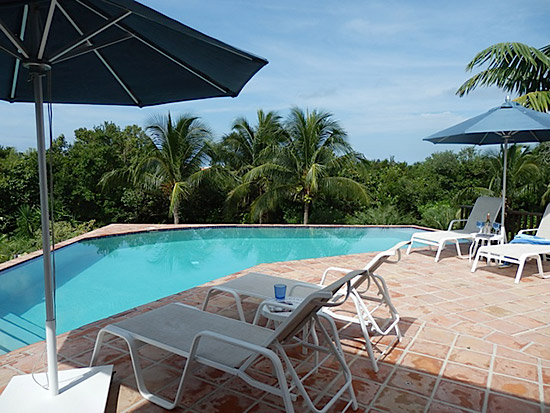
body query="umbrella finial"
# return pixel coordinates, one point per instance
(507, 102)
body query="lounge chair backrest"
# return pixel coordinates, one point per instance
(312, 304)
(484, 205)
(383, 256)
(544, 226)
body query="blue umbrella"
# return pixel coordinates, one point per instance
(504, 124)
(107, 52)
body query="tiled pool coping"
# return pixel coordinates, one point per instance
(472, 342)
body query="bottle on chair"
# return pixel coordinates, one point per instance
(487, 227)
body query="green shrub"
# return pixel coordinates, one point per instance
(18, 244)
(381, 215)
(438, 215)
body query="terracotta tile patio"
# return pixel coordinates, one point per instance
(472, 343)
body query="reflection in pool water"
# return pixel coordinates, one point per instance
(101, 277)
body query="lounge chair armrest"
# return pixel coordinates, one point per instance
(454, 221)
(311, 287)
(337, 269)
(523, 231)
(228, 340)
(395, 250)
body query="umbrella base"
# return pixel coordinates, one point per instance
(81, 390)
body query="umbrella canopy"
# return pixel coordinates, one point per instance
(507, 123)
(111, 52)
(115, 52)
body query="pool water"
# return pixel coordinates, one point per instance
(101, 277)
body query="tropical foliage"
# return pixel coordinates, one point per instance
(272, 170)
(516, 68)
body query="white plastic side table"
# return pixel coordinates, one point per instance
(277, 311)
(484, 239)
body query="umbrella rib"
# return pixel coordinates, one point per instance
(17, 61)
(15, 41)
(101, 58)
(12, 54)
(47, 28)
(483, 139)
(185, 66)
(91, 48)
(227, 48)
(117, 78)
(532, 133)
(110, 22)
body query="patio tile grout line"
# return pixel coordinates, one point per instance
(440, 375)
(541, 385)
(395, 367)
(489, 379)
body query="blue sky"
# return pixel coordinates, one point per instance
(387, 70)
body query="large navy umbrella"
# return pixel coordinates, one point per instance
(504, 124)
(112, 52)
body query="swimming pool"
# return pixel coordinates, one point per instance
(100, 277)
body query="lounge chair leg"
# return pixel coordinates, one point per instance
(541, 270)
(97, 347)
(368, 345)
(439, 249)
(166, 404)
(520, 270)
(539, 265)
(338, 353)
(207, 299)
(281, 378)
(458, 252)
(410, 246)
(398, 332)
(476, 260)
(217, 290)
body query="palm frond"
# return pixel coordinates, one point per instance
(346, 188)
(269, 200)
(266, 170)
(538, 100)
(179, 190)
(514, 67)
(314, 176)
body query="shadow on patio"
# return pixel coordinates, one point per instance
(472, 342)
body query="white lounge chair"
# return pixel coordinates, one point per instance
(234, 346)
(484, 205)
(519, 253)
(542, 233)
(366, 302)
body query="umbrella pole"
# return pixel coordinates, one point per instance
(505, 167)
(51, 345)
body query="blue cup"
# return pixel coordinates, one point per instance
(280, 291)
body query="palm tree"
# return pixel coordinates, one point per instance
(308, 165)
(247, 147)
(522, 174)
(516, 68)
(177, 153)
